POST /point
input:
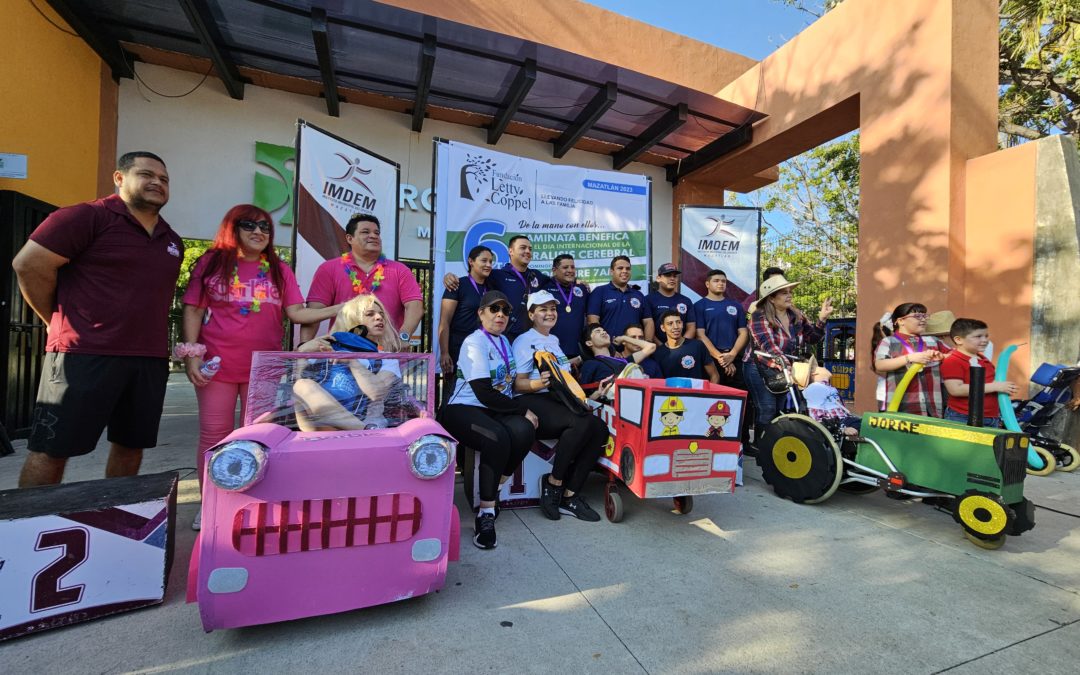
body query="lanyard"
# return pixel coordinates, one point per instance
(568, 297)
(524, 283)
(907, 345)
(503, 351)
(477, 288)
(616, 359)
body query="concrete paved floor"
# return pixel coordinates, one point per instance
(745, 583)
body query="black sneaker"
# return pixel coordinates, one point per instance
(485, 531)
(577, 507)
(550, 496)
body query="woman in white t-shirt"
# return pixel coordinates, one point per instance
(483, 414)
(580, 436)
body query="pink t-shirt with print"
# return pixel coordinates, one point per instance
(227, 332)
(332, 284)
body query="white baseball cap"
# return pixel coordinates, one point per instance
(540, 298)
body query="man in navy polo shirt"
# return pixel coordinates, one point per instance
(516, 281)
(722, 327)
(617, 304)
(101, 275)
(679, 357)
(572, 299)
(667, 296)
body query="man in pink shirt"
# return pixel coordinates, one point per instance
(364, 269)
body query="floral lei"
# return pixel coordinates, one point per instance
(260, 289)
(352, 270)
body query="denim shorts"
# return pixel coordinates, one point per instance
(962, 418)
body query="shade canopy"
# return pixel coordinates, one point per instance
(373, 54)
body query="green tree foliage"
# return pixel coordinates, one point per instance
(819, 191)
(1039, 69)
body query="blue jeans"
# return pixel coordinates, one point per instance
(954, 416)
(766, 402)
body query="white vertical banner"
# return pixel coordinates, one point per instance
(724, 238)
(335, 180)
(487, 197)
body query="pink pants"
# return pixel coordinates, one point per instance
(217, 413)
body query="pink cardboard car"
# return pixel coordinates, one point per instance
(304, 523)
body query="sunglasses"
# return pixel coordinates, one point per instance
(250, 225)
(500, 309)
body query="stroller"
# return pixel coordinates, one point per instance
(1035, 414)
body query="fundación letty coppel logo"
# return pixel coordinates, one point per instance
(481, 180)
(721, 237)
(349, 188)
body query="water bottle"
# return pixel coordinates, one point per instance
(211, 367)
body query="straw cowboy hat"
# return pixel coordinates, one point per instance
(801, 371)
(774, 284)
(939, 323)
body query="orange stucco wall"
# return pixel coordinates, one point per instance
(919, 79)
(999, 247)
(53, 90)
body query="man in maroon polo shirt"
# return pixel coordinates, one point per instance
(101, 275)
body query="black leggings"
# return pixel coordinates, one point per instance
(502, 440)
(580, 438)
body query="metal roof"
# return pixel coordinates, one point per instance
(432, 64)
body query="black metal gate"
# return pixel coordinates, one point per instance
(22, 335)
(424, 272)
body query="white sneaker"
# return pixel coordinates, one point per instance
(197, 523)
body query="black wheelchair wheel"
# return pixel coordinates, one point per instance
(800, 460)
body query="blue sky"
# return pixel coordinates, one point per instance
(754, 28)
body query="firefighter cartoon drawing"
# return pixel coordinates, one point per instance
(671, 414)
(717, 416)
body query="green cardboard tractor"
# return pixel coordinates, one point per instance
(977, 473)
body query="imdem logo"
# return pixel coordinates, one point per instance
(348, 188)
(722, 238)
(481, 180)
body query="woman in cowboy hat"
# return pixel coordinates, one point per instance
(777, 327)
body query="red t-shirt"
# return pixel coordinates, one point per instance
(228, 332)
(332, 284)
(114, 295)
(956, 366)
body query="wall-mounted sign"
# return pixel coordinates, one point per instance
(12, 165)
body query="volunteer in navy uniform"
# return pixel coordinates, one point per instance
(667, 296)
(616, 305)
(679, 357)
(515, 280)
(572, 299)
(580, 437)
(482, 413)
(722, 328)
